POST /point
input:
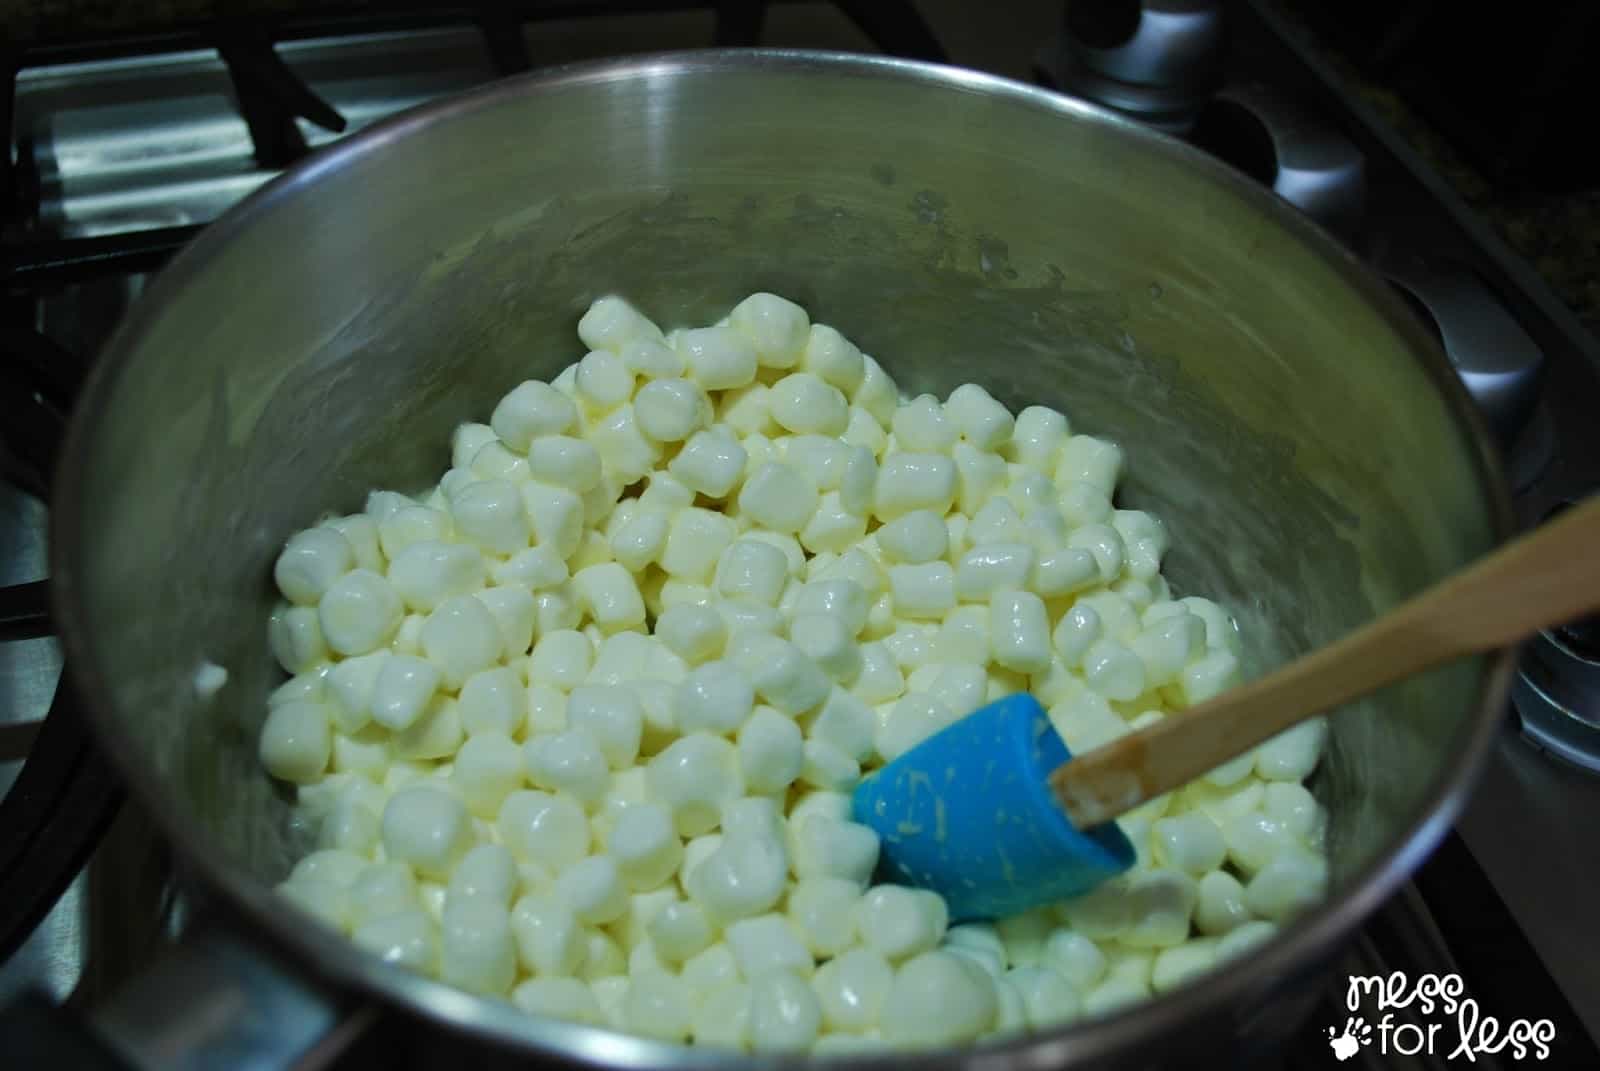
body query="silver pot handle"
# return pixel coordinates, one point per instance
(215, 1000)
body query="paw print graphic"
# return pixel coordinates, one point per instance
(1356, 1034)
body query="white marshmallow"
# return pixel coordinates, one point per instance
(361, 531)
(435, 734)
(488, 768)
(1075, 958)
(997, 522)
(911, 481)
(1019, 631)
(778, 328)
(310, 563)
(348, 690)
(711, 463)
(1048, 999)
(694, 633)
(1220, 905)
(645, 846)
(1287, 885)
(695, 541)
(411, 523)
(964, 634)
(1064, 570)
(594, 888)
(538, 827)
(670, 410)
(556, 516)
(359, 613)
(427, 828)
(610, 323)
(806, 405)
(716, 696)
(1112, 670)
(627, 454)
(960, 686)
(825, 766)
(549, 940)
(833, 358)
(880, 679)
(603, 381)
(923, 591)
(915, 538)
(784, 1013)
(920, 425)
(981, 420)
(461, 637)
(822, 913)
(828, 642)
(425, 574)
(877, 393)
(1189, 842)
(1162, 903)
(406, 938)
(846, 723)
(532, 410)
(832, 528)
(779, 497)
(718, 358)
(937, 999)
(768, 943)
(900, 922)
(694, 777)
(680, 930)
(640, 541)
(829, 846)
(563, 461)
(490, 514)
(486, 872)
(611, 714)
(992, 567)
(747, 410)
(1293, 753)
(1086, 459)
(295, 741)
(751, 569)
(564, 999)
(515, 613)
(610, 595)
(782, 674)
(561, 658)
(851, 989)
(770, 751)
(913, 719)
(569, 762)
(1038, 437)
(742, 878)
(494, 461)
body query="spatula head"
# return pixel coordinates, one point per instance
(968, 813)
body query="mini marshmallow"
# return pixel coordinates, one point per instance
(1112, 670)
(750, 569)
(603, 381)
(295, 741)
(822, 458)
(1086, 459)
(920, 425)
(361, 532)
(1220, 904)
(680, 930)
(784, 1014)
(435, 734)
(349, 688)
(548, 937)
(1064, 570)
(406, 938)
(359, 613)
(610, 595)
(310, 563)
(716, 696)
(694, 777)
(561, 658)
(569, 762)
(627, 455)
(993, 567)
(612, 715)
(490, 514)
(827, 641)
(532, 410)
(565, 999)
(858, 481)
(670, 410)
(1038, 437)
(779, 329)
(923, 591)
(748, 410)
(610, 323)
(1293, 753)
(937, 999)
(718, 358)
(825, 766)
(710, 463)
(981, 420)
(779, 497)
(555, 515)
(834, 359)
(461, 637)
(782, 674)
(646, 846)
(847, 724)
(806, 405)
(427, 828)
(822, 913)
(694, 633)
(488, 768)
(832, 528)
(880, 679)
(494, 461)
(538, 827)
(1019, 631)
(695, 541)
(425, 574)
(915, 538)
(563, 461)
(979, 475)
(742, 878)
(964, 634)
(827, 846)
(911, 481)
(912, 720)
(770, 751)
(409, 524)
(900, 922)
(1287, 885)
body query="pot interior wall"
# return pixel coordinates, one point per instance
(1306, 462)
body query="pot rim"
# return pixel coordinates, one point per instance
(1304, 944)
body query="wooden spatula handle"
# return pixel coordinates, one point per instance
(1547, 577)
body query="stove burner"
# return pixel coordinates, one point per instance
(1557, 690)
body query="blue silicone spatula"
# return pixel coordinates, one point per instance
(995, 815)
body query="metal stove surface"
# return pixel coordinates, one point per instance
(1528, 829)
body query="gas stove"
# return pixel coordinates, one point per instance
(122, 148)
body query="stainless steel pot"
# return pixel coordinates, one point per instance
(1308, 445)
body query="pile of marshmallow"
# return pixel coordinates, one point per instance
(578, 727)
